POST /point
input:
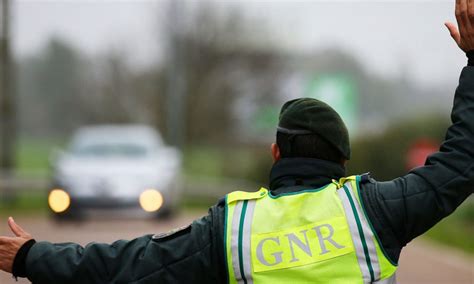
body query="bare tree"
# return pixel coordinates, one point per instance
(7, 103)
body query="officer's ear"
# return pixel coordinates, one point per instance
(275, 152)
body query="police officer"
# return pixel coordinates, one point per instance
(313, 224)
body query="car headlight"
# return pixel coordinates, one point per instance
(58, 200)
(151, 200)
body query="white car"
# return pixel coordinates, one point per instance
(116, 167)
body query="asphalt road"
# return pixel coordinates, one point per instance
(421, 262)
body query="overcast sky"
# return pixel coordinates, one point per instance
(389, 37)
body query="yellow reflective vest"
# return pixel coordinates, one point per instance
(312, 236)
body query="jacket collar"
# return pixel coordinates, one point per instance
(294, 174)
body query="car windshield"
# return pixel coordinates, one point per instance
(109, 142)
(110, 150)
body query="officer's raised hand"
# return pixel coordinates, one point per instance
(9, 246)
(464, 37)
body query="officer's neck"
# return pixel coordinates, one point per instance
(294, 174)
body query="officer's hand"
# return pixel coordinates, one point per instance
(9, 246)
(464, 37)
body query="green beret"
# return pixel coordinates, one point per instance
(310, 116)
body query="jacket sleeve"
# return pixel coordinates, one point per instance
(406, 207)
(184, 256)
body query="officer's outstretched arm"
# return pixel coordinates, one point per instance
(181, 257)
(406, 207)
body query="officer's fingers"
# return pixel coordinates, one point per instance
(5, 240)
(453, 30)
(16, 229)
(462, 15)
(8, 252)
(470, 13)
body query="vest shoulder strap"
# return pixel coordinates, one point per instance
(344, 180)
(243, 195)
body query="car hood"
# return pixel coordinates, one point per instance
(82, 167)
(127, 175)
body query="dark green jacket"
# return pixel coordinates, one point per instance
(400, 210)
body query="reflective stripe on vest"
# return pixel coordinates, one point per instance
(262, 248)
(241, 227)
(362, 236)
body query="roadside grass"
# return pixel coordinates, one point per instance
(25, 203)
(32, 160)
(224, 162)
(33, 155)
(457, 230)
